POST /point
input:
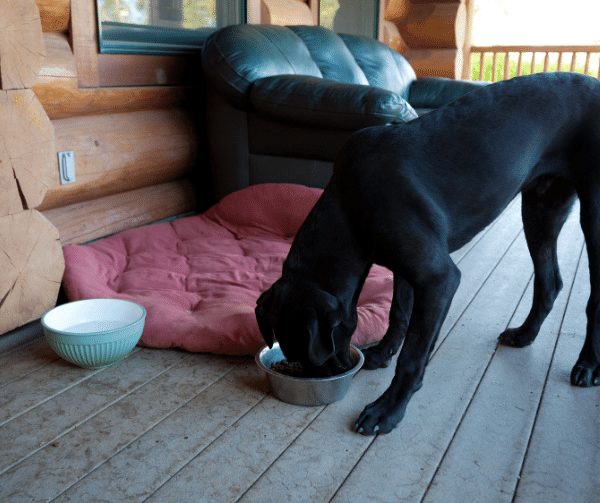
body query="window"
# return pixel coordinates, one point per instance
(162, 26)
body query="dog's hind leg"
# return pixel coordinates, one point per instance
(545, 207)
(434, 284)
(380, 355)
(586, 371)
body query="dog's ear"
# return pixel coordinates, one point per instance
(264, 325)
(321, 341)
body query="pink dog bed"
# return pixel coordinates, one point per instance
(199, 277)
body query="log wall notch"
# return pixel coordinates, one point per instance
(134, 145)
(32, 266)
(21, 44)
(55, 15)
(27, 150)
(432, 34)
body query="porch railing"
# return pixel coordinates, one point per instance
(500, 62)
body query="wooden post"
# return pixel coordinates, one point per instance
(27, 148)
(435, 29)
(21, 44)
(84, 40)
(32, 266)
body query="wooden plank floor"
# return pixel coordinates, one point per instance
(490, 424)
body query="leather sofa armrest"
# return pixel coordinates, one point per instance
(434, 92)
(315, 101)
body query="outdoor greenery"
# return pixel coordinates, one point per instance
(526, 65)
(327, 10)
(194, 13)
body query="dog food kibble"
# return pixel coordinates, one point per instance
(294, 369)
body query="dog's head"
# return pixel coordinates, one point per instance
(308, 323)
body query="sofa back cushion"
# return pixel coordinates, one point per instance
(236, 56)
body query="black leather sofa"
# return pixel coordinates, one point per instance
(283, 100)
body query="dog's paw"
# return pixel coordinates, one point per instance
(376, 358)
(379, 417)
(585, 375)
(516, 338)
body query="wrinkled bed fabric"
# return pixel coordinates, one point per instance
(199, 277)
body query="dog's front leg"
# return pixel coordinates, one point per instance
(380, 355)
(432, 299)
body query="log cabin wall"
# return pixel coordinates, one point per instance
(434, 35)
(283, 12)
(127, 120)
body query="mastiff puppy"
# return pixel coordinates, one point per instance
(405, 196)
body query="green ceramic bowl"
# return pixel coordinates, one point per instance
(94, 333)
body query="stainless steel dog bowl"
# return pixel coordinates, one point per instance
(306, 390)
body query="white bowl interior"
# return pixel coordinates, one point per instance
(93, 315)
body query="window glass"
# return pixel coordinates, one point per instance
(358, 17)
(162, 26)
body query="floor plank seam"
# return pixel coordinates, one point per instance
(28, 373)
(79, 423)
(141, 433)
(50, 397)
(473, 244)
(468, 406)
(4, 354)
(542, 394)
(360, 458)
(472, 299)
(232, 425)
(280, 454)
(441, 341)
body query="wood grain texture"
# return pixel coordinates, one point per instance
(55, 14)
(435, 62)
(21, 44)
(58, 74)
(58, 90)
(119, 152)
(27, 150)
(434, 25)
(61, 100)
(145, 70)
(390, 36)
(32, 265)
(84, 40)
(59, 62)
(286, 12)
(82, 222)
(436, 33)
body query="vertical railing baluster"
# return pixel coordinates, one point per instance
(586, 67)
(481, 58)
(560, 58)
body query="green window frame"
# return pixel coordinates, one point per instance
(117, 37)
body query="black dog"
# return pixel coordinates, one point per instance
(405, 196)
